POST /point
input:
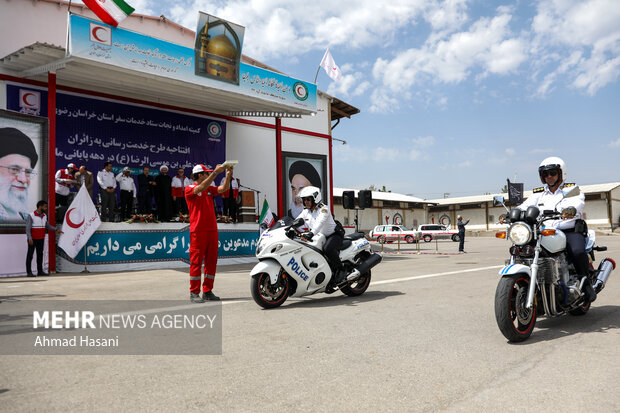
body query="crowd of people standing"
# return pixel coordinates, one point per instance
(161, 195)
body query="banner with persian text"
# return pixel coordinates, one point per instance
(108, 45)
(92, 131)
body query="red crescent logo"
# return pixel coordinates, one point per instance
(68, 219)
(25, 99)
(95, 30)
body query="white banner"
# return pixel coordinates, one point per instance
(81, 221)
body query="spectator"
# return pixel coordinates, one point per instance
(163, 194)
(179, 182)
(85, 177)
(461, 225)
(229, 197)
(36, 226)
(64, 180)
(107, 188)
(145, 191)
(128, 192)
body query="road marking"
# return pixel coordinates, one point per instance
(440, 274)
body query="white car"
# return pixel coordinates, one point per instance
(429, 232)
(391, 233)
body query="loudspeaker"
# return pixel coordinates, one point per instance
(364, 198)
(348, 199)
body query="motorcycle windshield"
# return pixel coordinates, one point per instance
(283, 222)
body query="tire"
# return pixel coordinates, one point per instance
(514, 321)
(381, 239)
(427, 238)
(409, 239)
(579, 311)
(359, 286)
(456, 238)
(264, 294)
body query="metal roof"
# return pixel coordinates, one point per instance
(386, 196)
(475, 199)
(34, 61)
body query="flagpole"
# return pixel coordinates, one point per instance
(85, 270)
(317, 74)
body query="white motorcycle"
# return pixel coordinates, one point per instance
(539, 278)
(291, 267)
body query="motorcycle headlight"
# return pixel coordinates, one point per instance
(520, 233)
(259, 247)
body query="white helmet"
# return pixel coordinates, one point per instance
(551, 163)
(310, 191)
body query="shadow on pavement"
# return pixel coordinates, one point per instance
(341, 299)
(598, 320)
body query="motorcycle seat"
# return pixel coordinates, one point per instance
(345, 244)
(354, 236)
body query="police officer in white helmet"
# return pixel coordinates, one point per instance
(552, 172)
(318, 219)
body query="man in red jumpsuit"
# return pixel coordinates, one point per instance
(203, 236)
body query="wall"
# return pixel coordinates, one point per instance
(51, 21)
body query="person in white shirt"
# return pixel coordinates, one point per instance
(107, 187)
(179, 183)
(319, 220)
(64, 180)
(552, 172)
(128, 192)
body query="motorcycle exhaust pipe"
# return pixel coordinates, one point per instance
(604, 270)
(373, 260)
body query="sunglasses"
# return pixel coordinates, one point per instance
(549, 173)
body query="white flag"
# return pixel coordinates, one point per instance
(331, 68)
(81, 221)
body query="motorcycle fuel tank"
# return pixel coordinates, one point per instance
(554, 243)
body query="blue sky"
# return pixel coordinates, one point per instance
(455, 96)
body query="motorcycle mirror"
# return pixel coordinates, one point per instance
(298, 222)
(498, 200)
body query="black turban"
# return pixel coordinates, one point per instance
(307, 170)
(14, 141)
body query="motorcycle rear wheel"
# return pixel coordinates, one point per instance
(358, 287)
(515, 321)
(264, 293)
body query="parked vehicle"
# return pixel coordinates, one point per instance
(289, 266)
(391, 233)
(429, 232)
(539, 278)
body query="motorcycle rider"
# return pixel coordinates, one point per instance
(318, 219)
(552, 172)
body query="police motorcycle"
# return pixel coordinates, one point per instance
(538, 279)
(291, 267)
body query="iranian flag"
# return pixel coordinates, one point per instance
(111, 12)
(266, 218)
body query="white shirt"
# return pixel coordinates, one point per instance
(556, 201)
(63, 178)
(126, 183)
(319, 220)
(106, 179)
(178, 183)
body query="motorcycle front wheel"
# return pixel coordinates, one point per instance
(358, 287)
(514, 320)
(268, 295)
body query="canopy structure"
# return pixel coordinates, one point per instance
(35, 61)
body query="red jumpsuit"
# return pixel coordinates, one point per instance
(203, 237)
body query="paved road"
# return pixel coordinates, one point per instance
(423, 338)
